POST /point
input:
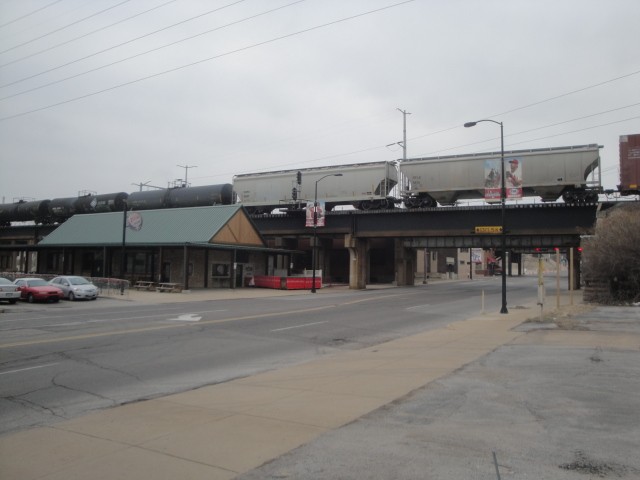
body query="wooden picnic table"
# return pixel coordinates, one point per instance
(145, 285)
(169, 287)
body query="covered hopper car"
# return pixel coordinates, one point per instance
(549, 173)
(364, 185)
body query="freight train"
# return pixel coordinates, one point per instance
(551, 173)
(60, 209)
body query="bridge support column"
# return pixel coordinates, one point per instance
(405, 264)
(358, 261)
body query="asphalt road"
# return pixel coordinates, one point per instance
(58, 361)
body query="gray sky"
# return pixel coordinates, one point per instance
(301, 86)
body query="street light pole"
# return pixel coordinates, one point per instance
(314, 248)
(503, 235)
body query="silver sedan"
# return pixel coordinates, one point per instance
(75, 287)
(8, 291)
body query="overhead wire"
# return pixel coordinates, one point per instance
(379, 147)
(534, 139)
(138, 54)
(198, 62)
(64, 27)
(78, 38)
(22, 17)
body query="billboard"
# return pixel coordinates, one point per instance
(513, 177)
(493, 179)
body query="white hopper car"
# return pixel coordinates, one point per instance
(363, 185)
(548, 173)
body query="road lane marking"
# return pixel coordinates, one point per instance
(187, 317)
(161, 327)
(418, 306)
(299, 326)
(29, 368)
(203, 322)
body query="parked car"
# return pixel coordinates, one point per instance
(75, 287)
(32, 289)
(8, 291)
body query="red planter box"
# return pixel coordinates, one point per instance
(286, 283)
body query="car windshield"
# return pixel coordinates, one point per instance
(4, 281)
(37, 283)
(78, 281)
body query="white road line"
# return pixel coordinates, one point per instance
(29, 368)
(298, 326)
(418, 306)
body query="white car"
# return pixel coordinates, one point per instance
(75, 287)
(8, 291)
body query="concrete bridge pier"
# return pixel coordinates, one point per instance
(358, 261)
(405, 264)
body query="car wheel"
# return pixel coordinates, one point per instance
(72, 297)
(94, 298)
(30, 298)
(13, 301)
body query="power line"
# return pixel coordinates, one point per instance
(29, 14)
(138, 54)
(63, 28)
(215, 57)
(364, 150)
(537, 103)
(77, 38)
(535, 139)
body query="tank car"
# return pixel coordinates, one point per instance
(36, 211)
(63, 208)
(110, 202)
(548, 173)
(148, 200)
(363, 185)
(200, 196)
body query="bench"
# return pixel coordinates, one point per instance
(169, 287)
(145, 285)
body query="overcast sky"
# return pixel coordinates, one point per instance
(104, 95)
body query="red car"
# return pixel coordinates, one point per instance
(33, 289)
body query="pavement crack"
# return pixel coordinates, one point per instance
(23, 402)
(79, 390)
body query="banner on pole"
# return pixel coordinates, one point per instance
(319, 214)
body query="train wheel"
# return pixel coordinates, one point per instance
(366, 205)
(427, 202)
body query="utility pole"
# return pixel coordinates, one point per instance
(141, 184)
(404, 132)
(186, 172)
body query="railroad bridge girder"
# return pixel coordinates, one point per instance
(528, 226)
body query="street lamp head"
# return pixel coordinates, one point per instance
(470, 124)
(338, 175)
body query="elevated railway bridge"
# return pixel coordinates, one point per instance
(357, 238)
(381, 246)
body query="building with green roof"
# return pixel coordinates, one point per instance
(199, 247)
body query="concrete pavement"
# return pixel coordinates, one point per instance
(222, 431)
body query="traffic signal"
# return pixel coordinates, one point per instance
(294, 193)
(299, 178)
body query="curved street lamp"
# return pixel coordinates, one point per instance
(315, 225)
(503, 238)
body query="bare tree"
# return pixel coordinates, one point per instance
(611, 258)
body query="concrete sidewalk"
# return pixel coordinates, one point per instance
(221, 431)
